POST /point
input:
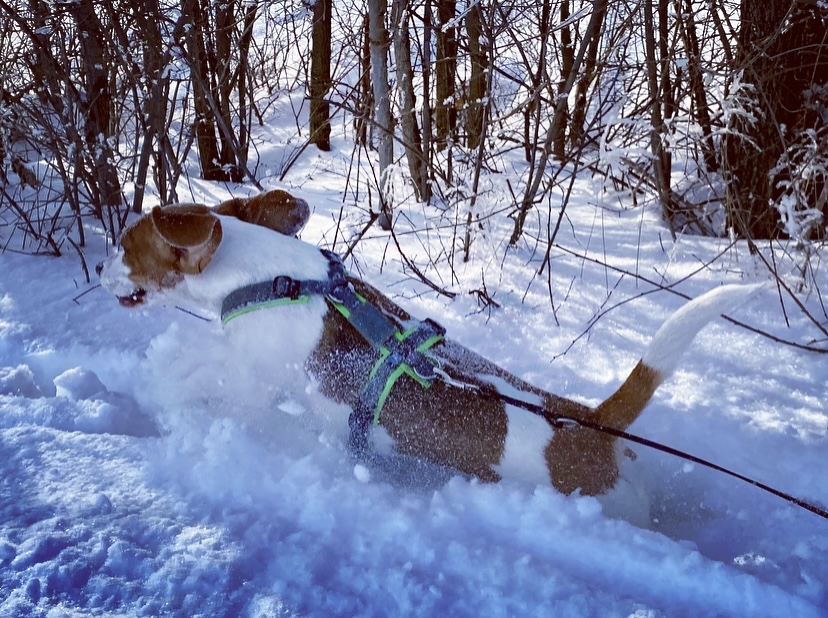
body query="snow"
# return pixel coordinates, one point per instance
(154, 464)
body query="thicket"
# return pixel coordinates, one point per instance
(714, 110)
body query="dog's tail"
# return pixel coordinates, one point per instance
(668, 344)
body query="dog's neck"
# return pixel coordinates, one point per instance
(247, 254)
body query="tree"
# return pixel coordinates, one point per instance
(578, 117)
(212, 80)
(97, 105)
(320, 79)
(477, 78)
(156, 58)
(567, 59)
(379, 43)
(405, 89)
(445, 111)
(695, 72)
(661, 105)
(558, 117)
(782, 51)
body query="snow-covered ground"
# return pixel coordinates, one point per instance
(151, 467)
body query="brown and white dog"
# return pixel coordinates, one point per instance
(195, 255)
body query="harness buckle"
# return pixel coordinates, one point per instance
(286, 287)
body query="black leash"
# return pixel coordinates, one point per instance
(561, 421)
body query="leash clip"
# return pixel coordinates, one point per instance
(445, 377)
(566, 423)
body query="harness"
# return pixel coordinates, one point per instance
(398, 352)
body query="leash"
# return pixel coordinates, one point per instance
(561, 421)
(406, 353)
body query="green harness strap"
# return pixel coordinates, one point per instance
(404, 354)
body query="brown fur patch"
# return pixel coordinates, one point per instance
(160, 248)
(461, 429)
(277, 210)
(621, 408)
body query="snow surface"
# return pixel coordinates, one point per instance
(152, 465)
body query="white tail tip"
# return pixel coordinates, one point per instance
(676, 334)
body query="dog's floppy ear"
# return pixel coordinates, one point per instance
(192, 231)
(278, 210)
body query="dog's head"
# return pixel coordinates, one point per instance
(163, 246)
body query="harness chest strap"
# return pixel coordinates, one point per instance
(400, 353)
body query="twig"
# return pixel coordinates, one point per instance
(671, 288)
(85, 292)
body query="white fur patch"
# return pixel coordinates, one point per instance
(526, 438)
(676, 334)
(247, 254)
(115, 276)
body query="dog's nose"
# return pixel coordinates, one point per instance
(99, 268)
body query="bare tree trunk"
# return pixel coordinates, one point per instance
(98, 107)
(661, 158)
(477, 78)
(382, 101)
(156, 60)
(488, 54)
(666, 85)
(687, 30)
(533, 110)
(320, 82)
(567, 59)
(43, 66)
(245, 113)
(445, 112)
(364, 95)
(223, 85)
(752, 143)
(205, 128)
(576, 125)
(405, 88)
(426, 76)
(782, 52)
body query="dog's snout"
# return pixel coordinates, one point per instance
(136, 298)
(99, 268)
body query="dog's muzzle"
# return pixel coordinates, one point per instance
(114, 277)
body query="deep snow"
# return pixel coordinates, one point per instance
(153, 466)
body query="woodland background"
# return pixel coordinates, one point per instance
(556, 146)
(714, 110)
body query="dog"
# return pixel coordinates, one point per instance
(193, 254)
